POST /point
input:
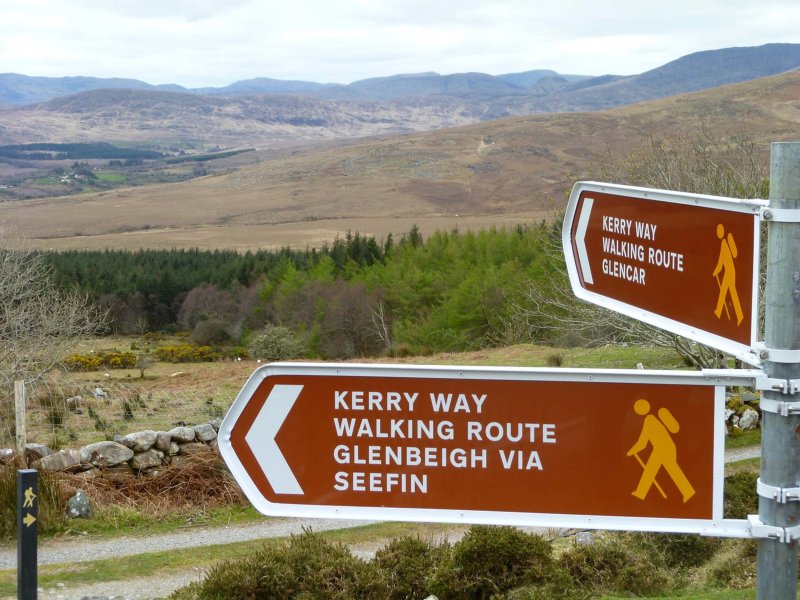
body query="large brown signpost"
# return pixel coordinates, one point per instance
(552, 447)
(686, 263)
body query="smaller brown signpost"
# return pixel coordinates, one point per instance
(552, 447)
(686, 263)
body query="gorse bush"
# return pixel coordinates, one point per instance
(408, 563)
(111, 359)
(611, 566)
(489, 561)
(740, 497)
(307, 566)
(182, 353)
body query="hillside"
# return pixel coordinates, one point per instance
(252, 120)
(500, 172)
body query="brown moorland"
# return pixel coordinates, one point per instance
(499, 172)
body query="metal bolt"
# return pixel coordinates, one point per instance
(764, 354)
(767, 214)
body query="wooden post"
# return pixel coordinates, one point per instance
(20, 422)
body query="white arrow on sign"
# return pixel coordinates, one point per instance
(580, 239)
(276, 408)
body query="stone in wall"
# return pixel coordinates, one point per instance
(106, 454)
(140, 441)
(147, 459)
(163, 441)
(63, 460)
(182, 434)
(205, 432)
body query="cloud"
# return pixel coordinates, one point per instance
(205, 42)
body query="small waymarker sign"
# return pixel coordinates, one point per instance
(551, 447)
(686, 263)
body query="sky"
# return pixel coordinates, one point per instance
(205, 43)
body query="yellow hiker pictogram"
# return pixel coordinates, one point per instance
(727, 287)
(657, 431)
(29, 498)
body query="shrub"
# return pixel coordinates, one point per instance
(740, 497)
(732, 567)
(612, 566)
(111, 359)
(275, 342)
(493, 560)
(555, 359)
(306, 567)
(408, 564)
(209, 331)
(182, 353)
(678, 551)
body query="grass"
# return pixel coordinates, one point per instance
(705, 595)
(114, 520)
(110, 177)
(744, 439)
(197, 392)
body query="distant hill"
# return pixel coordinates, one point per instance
(19, 90)
(515, 93)
(264, 85)
(502, 172)
(694, 72)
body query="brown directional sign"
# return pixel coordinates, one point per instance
(683, 262)
(525, 446)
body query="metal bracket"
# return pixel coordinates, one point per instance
(778, 494)
(784, 386)
(780, 215)
(785, 409)
(778, 355)
(787, 535)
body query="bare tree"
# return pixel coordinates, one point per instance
(39, 324)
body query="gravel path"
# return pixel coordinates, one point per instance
(742, 453)
(149, 588)
(80, 550)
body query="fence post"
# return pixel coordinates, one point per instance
(20, 423)
(780, 443)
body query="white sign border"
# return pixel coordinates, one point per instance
(716, 526)
(744, 352)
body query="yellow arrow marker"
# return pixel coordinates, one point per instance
(29, 520)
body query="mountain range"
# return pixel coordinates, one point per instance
(265, 112)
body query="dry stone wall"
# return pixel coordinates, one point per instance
(139, 453)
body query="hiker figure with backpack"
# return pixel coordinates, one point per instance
(657, 431)
(727, 254)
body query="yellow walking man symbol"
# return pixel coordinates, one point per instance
(29, 498)
(657, 431)
(727, 254)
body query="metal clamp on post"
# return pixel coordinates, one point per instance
(780, 215)
(758, 530)
(777, 355)
(778, 494)
(784, 386)
(785, 409)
